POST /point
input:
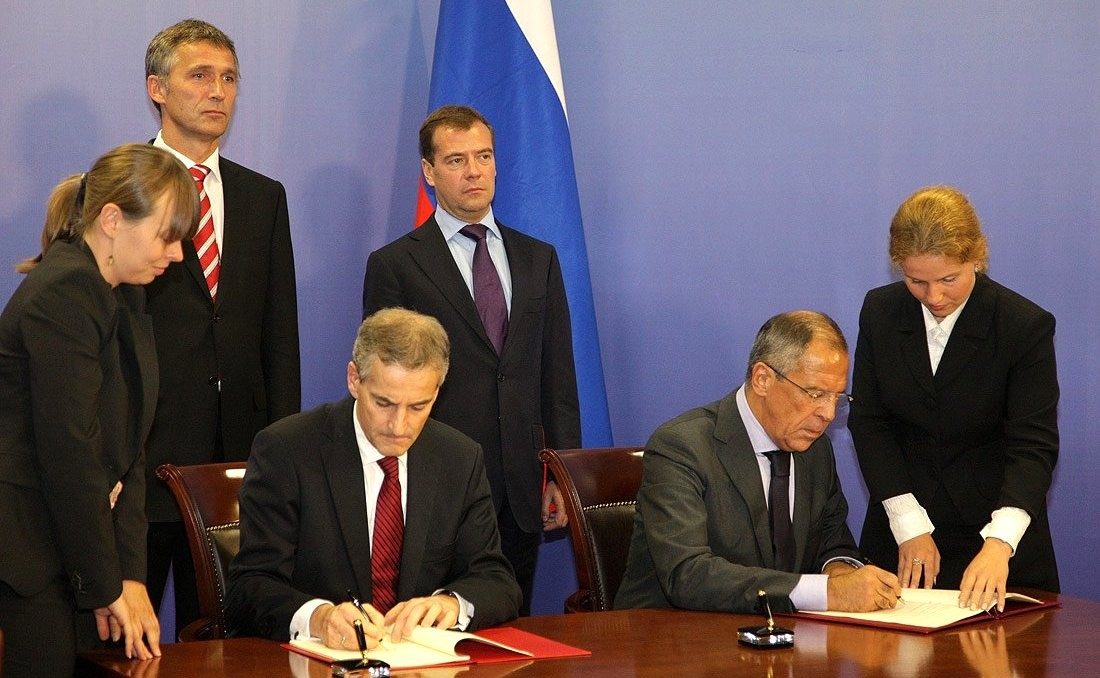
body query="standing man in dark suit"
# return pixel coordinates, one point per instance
(371, 496)
(226, 318)
(500, 296)
(742, 495)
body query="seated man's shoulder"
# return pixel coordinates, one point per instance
(322, 420)
(695, 421)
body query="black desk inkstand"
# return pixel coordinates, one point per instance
(768, 636)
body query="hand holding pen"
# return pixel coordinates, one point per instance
(334, 625)
(373, 621)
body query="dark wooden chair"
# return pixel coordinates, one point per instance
(207, 497)
(599, 486)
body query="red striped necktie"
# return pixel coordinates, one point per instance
(389, 535)
(206, 245)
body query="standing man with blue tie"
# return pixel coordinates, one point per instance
(501, 298)
(226, 317)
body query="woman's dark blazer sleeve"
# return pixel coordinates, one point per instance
(66, 329)
(984, 428)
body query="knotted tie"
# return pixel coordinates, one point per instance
(389, 534)
(779, 509)
(206, 245)
(488, 292)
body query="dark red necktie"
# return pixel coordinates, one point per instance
(206, 245)
(779, 510)
(389, 535)
(488, 292)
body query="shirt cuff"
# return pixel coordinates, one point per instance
(1008, 524)
(299, 623)
(465, 609)
(856, 564)
(908, 518)
(811, 593)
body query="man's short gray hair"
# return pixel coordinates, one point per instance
(398, 336)
(783, 339)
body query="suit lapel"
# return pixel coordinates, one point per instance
(146, 353)
(803, 498)
(913, 343)
(423, 469)
(344, 472)
(191, 263)
(433, 256)
(969, 334)
(236, 213)
(736, 455)
(522, 274)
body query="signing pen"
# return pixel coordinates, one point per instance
(362, 639)
(358, 605)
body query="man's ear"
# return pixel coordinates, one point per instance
(760, 378)
(429, 172)
(353, 380)
(155, 89)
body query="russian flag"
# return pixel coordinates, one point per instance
(501, 57)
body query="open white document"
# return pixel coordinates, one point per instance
(924, 608)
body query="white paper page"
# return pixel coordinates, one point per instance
(926, 608)
(398, 655)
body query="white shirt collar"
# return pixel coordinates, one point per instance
(758, 437)
(211, 163)
(947, 324)
(450, 225)
(367, 451)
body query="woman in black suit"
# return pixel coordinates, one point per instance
(955, 418)
(78, 384)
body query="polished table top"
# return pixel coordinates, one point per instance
(1054, 642)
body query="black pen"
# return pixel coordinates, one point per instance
(360, 637)
(358, 605)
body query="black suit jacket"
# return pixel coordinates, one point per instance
(514, 403)
(246, 343)
(702, 539)
(980, 434)
(78, 383)
(304, 524)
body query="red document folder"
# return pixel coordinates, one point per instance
(539, 647)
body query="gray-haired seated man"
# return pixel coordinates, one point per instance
(369, 496)
(742, 495)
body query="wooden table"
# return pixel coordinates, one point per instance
(1054, 642)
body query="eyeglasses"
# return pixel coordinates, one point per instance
(817, 396)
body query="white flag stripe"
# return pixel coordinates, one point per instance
(536, 20)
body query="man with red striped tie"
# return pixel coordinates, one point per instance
(226, 317)
(367, 510)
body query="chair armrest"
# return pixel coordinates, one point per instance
(582, 600)
(201, 629)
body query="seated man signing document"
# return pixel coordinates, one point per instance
(370, 499)
(742, 495)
